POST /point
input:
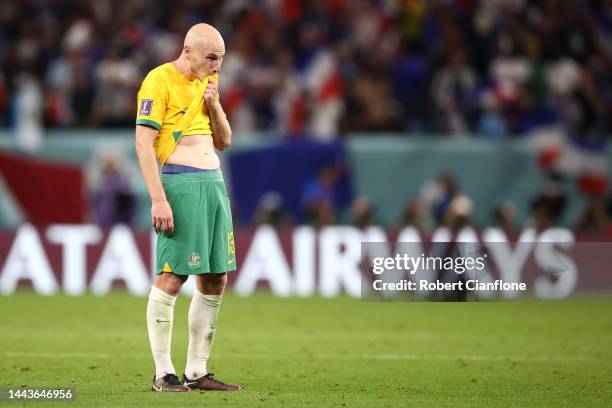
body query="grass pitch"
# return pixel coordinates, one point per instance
(319, 352)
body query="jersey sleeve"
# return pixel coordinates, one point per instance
(152, 101)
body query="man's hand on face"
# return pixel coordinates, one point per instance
(210, 94)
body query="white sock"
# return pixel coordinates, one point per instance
(203, 313)
(160, 311)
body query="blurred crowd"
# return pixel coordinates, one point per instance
(323, 67)
(441, 203)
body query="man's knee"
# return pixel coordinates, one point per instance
(170, 283)
(212, 283)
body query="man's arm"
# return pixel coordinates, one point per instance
(161, 213)
(221, 130)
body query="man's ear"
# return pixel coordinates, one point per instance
(187, 49)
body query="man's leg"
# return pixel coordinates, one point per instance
(203, 314)
(160, 312)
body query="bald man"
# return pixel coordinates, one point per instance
(180, 122)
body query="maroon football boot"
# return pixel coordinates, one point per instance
(169, 383)
(209, 383)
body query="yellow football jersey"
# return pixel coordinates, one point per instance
(174, 105)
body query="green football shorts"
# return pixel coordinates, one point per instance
(203, 236)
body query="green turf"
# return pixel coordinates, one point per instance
(320, 352)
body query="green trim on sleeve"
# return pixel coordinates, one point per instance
(148, 122)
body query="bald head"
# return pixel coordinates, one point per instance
(203, 35)
(203, 50)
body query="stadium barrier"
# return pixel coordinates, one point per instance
(303, 261)
(490, 172)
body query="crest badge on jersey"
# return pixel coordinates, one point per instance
(193, 260)
(146, 107)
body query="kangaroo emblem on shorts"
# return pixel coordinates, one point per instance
(193, 261)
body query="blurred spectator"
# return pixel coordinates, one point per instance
(458, 214)
(270, 211)
(542, 216)
(318, 197)
(593, 217)
(548, 207)
(509, 71)
(114, 201)
(362, 214)
(457, 217)
(70, 90)
(436, 196)
(452, 90)
(28, 112)
(491, 123)
(412, 215)
(369, 98)
(505, 217)
(117, 79)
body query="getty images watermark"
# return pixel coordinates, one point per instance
(458, 264)
(453, 271)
